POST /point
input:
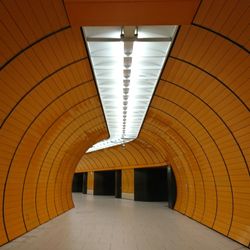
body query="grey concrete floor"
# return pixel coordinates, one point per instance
(106, 223)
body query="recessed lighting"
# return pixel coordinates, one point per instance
(127, 67)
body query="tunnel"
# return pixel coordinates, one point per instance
(196, 124)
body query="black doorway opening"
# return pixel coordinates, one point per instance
(151, 184)
(108, 183)
(104, 183)
(77, 184)
(155, 184)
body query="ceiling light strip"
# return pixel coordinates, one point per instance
(127, 62)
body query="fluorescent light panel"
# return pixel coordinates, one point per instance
(127, 62)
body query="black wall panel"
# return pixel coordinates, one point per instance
(85, 183)
(104, 183)
(118, 184)
(151, 184)
(77, 184)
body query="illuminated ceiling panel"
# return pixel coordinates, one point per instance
(127, 63)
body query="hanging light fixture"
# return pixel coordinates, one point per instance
(127, 62)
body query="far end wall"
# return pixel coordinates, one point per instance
(128, 184)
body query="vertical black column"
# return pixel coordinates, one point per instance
(171, 187)
(118, 184)
(77, 182)
(85, 182)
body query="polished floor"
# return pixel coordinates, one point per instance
(106, 223)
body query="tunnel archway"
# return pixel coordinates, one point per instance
(198, 120)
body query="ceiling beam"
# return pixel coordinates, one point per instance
(128, 12)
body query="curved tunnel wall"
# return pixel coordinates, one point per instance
(50, 114)
(135, 154)
(199, 119)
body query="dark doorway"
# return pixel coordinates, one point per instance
(85, 183)
(118, 184)
(104, 183)
(151, 184)
(171, 187)
(77, 184)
